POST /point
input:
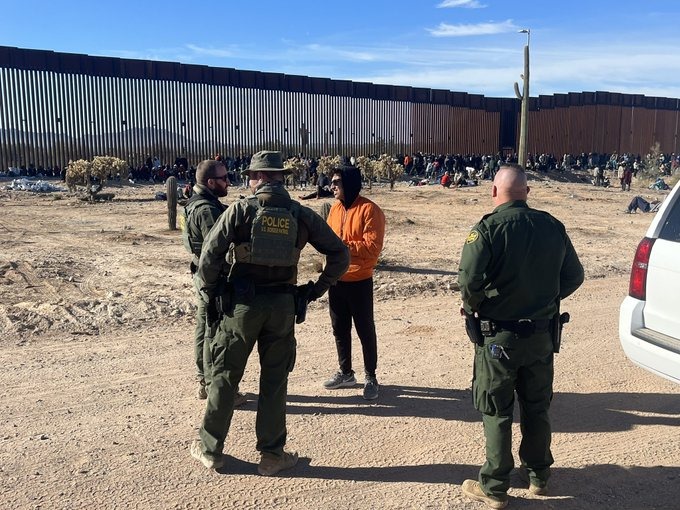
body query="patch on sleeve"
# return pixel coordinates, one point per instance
(472, 237)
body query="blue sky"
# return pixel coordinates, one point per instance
(462, 45)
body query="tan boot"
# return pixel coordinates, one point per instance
(534, 488)
(472, 490)
(207, 460)
(271, 464)
(538, 490)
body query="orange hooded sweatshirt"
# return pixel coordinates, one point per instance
(361, 226)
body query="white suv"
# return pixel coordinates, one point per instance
(649, 319)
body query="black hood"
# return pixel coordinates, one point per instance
(351, 183)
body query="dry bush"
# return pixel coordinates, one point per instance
(90, 177)
(297, 166)
(327, 163)
(367, 167)
(389, 169)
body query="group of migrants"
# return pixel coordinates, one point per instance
(244, 268)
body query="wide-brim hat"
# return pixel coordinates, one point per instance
(266, 161)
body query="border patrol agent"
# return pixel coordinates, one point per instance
(259, 239)
(200, 214)
(516, 264)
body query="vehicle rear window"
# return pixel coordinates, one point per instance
(670, 230)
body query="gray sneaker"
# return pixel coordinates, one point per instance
(340, 380)
(240, 398)
(371, 388)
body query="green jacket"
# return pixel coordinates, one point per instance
(516, 263)
(201, 213)
(234, 227)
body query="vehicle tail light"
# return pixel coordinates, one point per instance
(638, 274)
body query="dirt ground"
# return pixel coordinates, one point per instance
(98, 405)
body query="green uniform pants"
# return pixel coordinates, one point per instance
(528, 371)
(269, 320)
(200, 346)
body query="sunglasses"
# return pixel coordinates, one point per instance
(221, 178)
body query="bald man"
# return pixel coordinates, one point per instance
(516, 265)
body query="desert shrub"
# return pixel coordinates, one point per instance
(389, 168)
(651, 162)
(326, 163)
(367, 167)
(89, 177)
(297, 166)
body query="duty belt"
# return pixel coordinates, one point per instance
(521, 327)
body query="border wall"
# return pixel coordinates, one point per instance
(60, 106)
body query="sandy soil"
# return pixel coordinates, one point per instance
(98, 405)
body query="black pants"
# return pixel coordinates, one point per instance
(353, 301)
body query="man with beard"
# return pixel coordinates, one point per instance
(200, 214)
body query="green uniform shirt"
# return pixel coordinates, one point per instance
(516, 263)
(234, 226)
(202, 216)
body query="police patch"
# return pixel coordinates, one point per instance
(472, 237)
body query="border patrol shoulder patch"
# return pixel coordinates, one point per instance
(472, 237)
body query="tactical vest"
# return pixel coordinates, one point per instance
(193, 240)
(273, 237)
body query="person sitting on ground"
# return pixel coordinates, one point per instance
(323, 188)
(659, 184)
(446, 180)
(188, 190)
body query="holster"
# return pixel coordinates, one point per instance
(473, 329)
(300, 307)
(224, 297)
(557, 323)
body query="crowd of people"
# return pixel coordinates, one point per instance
(419, 168)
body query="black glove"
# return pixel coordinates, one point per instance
(308, 291)
(304, 294)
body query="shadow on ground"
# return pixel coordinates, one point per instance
(605, 486)
(570, 412)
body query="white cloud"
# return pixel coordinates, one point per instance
(557, 66)
(462, 30)
(210, 52)
(468, 4)
(321, 53)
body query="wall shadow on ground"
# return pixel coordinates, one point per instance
(613, 412)
(592, 486)
(424, 402)
(570, 412)
(381, 266)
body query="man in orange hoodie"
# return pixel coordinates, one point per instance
(361, 225)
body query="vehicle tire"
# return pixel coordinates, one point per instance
(171, 193)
